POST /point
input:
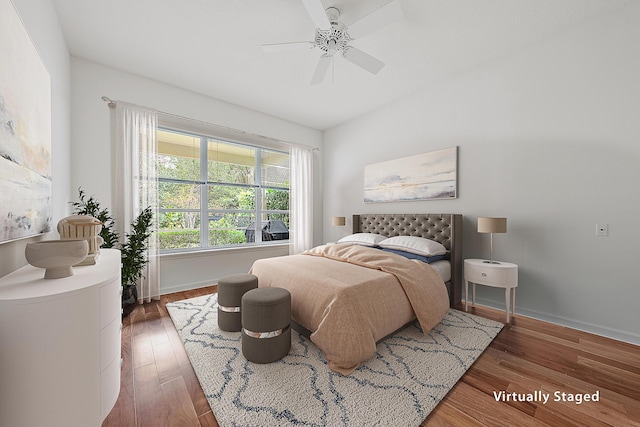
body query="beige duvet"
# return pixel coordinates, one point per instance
(351, 296)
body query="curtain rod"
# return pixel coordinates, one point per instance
(112, 104)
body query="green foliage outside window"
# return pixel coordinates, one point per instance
(223, 232)
(231, 194)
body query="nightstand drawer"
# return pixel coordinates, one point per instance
(480, 274)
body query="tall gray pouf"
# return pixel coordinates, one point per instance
(230, 292)
(266, 319)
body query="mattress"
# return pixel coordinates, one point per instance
(443, 267)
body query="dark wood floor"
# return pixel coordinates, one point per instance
(159, 387)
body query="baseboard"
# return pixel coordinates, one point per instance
(187, 286)
(591, 328)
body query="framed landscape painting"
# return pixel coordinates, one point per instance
(425, 176)
(25, 132)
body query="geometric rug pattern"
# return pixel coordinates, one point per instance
(399, 386)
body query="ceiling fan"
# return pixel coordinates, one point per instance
(332, 36)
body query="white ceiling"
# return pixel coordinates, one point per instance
(213, 46)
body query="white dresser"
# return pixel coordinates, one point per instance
(60, 345)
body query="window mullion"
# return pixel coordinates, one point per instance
(204, 189)
(258, 212)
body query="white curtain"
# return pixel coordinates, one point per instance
(301, 199)
(137, 184)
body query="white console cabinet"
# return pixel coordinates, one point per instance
(60, 345)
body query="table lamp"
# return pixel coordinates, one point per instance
(492, 225)
(338, 221)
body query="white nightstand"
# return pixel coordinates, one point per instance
(502, 275)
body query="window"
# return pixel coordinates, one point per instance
(215, 193)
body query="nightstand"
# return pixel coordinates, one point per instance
(502, 275)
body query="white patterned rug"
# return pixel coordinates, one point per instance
(399, 386)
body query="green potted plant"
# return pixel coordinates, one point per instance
(132, 251)
(90, 206)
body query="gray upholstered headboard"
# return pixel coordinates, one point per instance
(443, 228)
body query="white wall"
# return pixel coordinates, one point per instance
(41, 22)
(93, 162)
(549, 138)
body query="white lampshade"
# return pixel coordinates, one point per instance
(338, 221)
(492, 225)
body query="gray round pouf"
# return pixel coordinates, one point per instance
(266, 319)
(230, 292)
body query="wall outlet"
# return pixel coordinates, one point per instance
(602, 229)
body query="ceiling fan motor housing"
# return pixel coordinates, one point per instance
(335, 39)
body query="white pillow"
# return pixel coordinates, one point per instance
(365, 239)
(415, 245)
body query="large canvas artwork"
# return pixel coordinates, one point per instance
(425, 176)
(25, 132)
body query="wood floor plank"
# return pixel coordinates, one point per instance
(449, 416)
(557, 379)
(624, 354)
(475, 403)
(157, 331)
(611, 377)
(613, 407)
(176, 342)
(588, 348)
(565, 418)
(208, 420)
(166, 363)
(151, 408)
(198, 398)
(526, 355)
(181, 410)
(142, 350)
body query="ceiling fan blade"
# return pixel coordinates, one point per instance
(321, 69)
(377, 19)
(286, 47)
(316, 11)
(363, 60)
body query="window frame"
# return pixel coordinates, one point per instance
(204, 184)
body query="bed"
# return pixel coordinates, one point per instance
(347, 297)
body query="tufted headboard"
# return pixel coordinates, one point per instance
(445, 229)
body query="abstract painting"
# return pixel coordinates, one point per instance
(422, 177)
(25, 132)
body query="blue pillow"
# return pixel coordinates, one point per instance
(427, 259)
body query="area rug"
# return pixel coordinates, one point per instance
(399, 386)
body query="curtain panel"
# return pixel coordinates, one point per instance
(137, 184)
(301, 199)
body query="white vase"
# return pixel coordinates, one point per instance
(56, 256)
